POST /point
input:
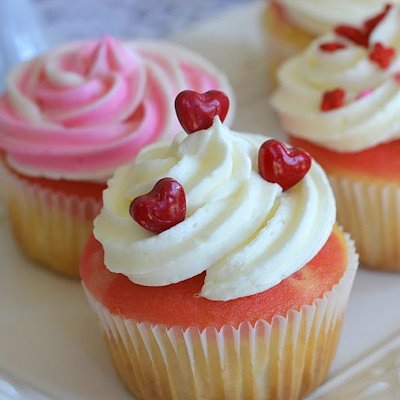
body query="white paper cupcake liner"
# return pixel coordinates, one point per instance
(370, 212)
(51, 228)
(281, 360)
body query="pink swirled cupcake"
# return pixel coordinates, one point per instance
(70, 117)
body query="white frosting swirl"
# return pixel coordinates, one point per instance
(319, 16)
(241, 229)
(362, 122)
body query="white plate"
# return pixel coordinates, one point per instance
(50, 346)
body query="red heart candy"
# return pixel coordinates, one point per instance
(196, 111)
(162, 208)
(331, 100)
(355, 35)
(381, 55)
(282, 165)
(371, 23)
(332, 47)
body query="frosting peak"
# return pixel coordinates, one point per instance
(83, 109)
(245, 232)
(108, 55)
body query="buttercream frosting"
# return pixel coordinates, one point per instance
(320, 16)
(81, 110)
(245, 232)
(370, 113)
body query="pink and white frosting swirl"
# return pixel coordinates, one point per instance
(85, 108)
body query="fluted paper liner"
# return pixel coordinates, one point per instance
(370, 212)
(281, 360)
(51, 228)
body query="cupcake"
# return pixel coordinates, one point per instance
(292, 24)
(216, 269)
(69, 117)
(340, 101)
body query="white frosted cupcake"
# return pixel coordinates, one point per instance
(216, 270)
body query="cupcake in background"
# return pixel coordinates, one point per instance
(69, 118)
(292, 24)
(340, 101)
(216, 269)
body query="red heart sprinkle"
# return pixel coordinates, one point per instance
(332, 47)
(196, 111)
(353, 34)
(381, 55)
(282, 165)
(371, 23)
(162, 208)
(360, 36)
(333, 99)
